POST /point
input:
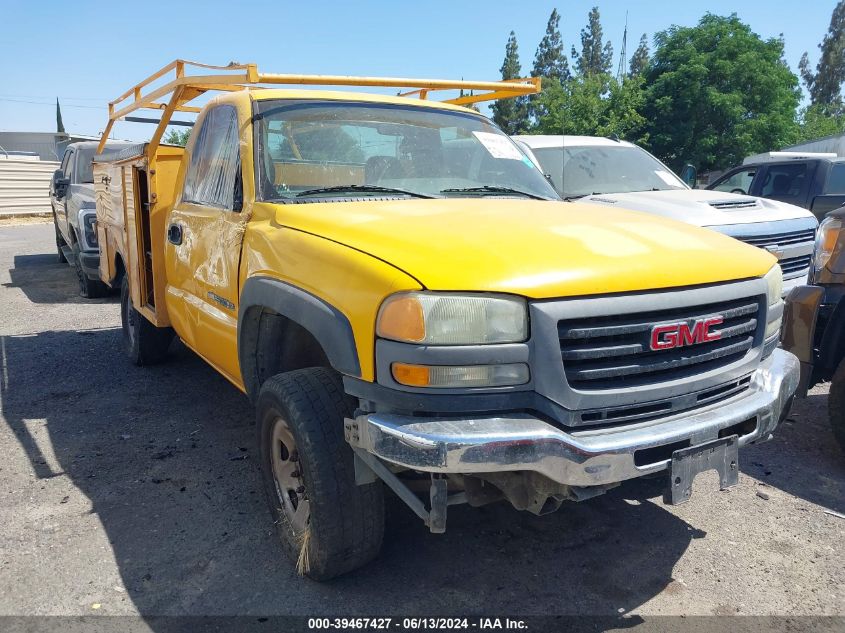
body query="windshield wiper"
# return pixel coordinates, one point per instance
(582, 195)
(491, 189)
(362, 189)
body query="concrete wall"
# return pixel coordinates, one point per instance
(24, 185)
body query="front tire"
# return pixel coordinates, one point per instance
(60, 241)
(143, 342)
(88, 288)
(326, 522)
(836, 404)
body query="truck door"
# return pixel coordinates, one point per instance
(60, 203)
(203, 233)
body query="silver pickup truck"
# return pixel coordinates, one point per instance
(75, 216)
(619, 174)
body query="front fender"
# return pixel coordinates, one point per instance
(327, 324)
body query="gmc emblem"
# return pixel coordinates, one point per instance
(682, 334)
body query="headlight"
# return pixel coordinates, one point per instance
(774, 283)
(774, 311)
(826, 238)
(453, 319)
(88, 224)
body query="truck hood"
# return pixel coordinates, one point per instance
(702, 207)
(533, 248)
(80, 195)
(84, 192)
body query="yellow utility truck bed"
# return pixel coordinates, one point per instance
(134, 190)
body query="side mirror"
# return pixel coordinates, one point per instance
(689, 176)
(60, 183)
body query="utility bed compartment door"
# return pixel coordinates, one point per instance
(108, 192)
(134, 195)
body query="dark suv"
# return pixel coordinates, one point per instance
(815, 183)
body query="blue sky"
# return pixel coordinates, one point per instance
(87, 53)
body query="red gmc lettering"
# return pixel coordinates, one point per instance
(682, 335)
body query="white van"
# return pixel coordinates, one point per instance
(617, 173)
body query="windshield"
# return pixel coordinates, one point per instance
(84, 167)
(366, 149)
(582, 171)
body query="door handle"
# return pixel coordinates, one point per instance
(174, 234)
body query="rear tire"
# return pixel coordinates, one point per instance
(836, 404)
(144, 343)
(306, 460)
(88, 288)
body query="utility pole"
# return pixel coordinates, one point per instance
(623, 56)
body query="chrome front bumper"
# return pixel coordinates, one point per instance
(521, 442)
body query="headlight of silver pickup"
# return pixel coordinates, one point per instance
(774, 308)
(428, 318)
(88, 227)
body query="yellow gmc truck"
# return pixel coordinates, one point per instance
(408, 304)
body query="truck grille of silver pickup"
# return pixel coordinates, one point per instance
(780, 239)
(796, 265)
(793, 265)
(614, 352)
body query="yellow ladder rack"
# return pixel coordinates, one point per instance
(184, 88)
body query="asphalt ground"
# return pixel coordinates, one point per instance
(127, 491)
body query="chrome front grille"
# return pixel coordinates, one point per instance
(780, 239)
(614, 352)
(794, 249)
(792, 265)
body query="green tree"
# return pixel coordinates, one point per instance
(60, 126)
(717, 92)
(595, 57)
(817, 122)
(640, 58)
(511, 114)
(595, 105)
(549, 60)
(825, 85)
(177, 137)
(471, 106)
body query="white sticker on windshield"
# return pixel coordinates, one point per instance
(666, 177)
(499, 146)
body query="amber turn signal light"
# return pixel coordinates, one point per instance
(402, 319)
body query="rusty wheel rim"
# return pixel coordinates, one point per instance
(287, 475)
